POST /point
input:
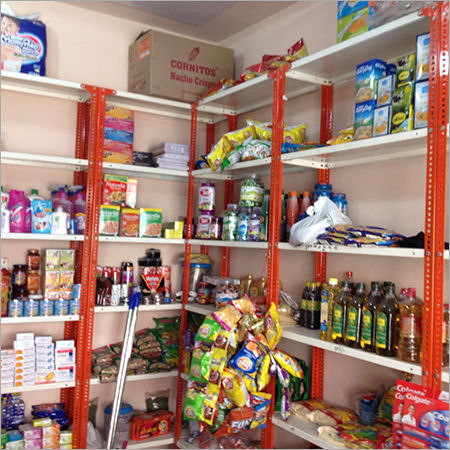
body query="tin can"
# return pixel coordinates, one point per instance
(30, 308)
(46, 307)
(74, 307)
(61, 307)
(15, 308)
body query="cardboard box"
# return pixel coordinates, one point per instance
(402, 108)
(367, 75)
(421, 105)
(354, 24)
(364, 119)
(382, 121)
(171, 66)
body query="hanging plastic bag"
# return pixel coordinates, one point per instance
(323, 214)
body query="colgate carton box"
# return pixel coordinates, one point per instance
(420, 417)
(171, 66)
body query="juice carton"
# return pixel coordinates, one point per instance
(422, 56)
(382, 121)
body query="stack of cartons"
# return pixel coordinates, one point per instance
(45, 361)
(7, 371)
(24, 367)
(119, 131)
(65, 361)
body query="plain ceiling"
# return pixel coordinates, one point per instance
(210, 21)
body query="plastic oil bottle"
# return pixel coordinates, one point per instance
(340, 313)
(330, 292)
(386, 339)
(313, 307)
(369, 324)
(304, 304)
(291, 212)
(410, 342)
(354, 316)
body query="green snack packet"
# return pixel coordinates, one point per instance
(208, 330)
(200, 361)
(167, 323)
(193, 405)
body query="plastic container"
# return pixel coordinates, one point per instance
(230, 223)
(79, 207)
(204, 224)
(60, 221)
(254, 226)
(61, 199)
(6, 218)
(207, 197)
(305, 203)
(6, 286)
(330, 292)
(368, 327)
(243, 225)
(322, 190)
(354, 317)
(20, 221)
(291, 212)
(410, 342)
(341, 202)
(252, 191)
(123, 424)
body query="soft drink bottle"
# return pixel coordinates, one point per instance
(313, 311)
(304, 304)
(291, 212)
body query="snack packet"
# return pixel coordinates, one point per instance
(209, 330)
(247, 359)
(234, 387)
(288, 363)
(272, 326)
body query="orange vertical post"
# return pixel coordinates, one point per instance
(276, 184)
(89, 260)
(433, 298)
(70, 328)
(187, 260)
(326, 129)
(229, 192)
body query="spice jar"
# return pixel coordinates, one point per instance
(207, 197)
(33, 259)
(33, 281)
(215, 228)
(204, 224)
(19, 275)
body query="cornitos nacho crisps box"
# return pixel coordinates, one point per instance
(24, 45)
(171, 66)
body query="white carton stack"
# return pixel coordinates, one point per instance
(172, 156)
(7, 371)
(24, 367)
(45, 360)
(65, 361)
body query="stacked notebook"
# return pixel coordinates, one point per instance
(172, 156)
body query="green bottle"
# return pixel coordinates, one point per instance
(263, 229)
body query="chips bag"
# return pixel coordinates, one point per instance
(288, 363)
(234, 387)
(208, 330)
(384, 413)
(193, 404)
(227, 317)
(248, 358)
(263, 377)
(272, 326)
(261, 403)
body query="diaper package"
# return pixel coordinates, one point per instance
(24, 45)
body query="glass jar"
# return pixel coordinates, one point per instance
(204, 224)
(33, 281)
(207, 197)
(230, 223)
(215, 228)
(243, 225)
(19, 275)
(254, 224)
(252, 191)
(33, 259)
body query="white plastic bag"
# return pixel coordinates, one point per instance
(94, 437)
(323, 214)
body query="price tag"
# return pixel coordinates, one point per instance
(339, 349)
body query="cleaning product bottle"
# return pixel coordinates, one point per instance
(5, 196)
(33, 196)
(410, 343)
(354, 315)
(263, 228)
(340, 313)
(17, 206)
(60, 221)
(62, 199)
(291, 212)
(369, 324)
(386, 339)
(80, 211)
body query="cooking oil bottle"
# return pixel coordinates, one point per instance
(410, 343)
(304, 304)
(354, 315)
(313, 309)
(333, 293)
(340, 313)
(386, 339)
(369, 323)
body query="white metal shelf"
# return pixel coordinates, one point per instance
(185, 376)
(311, 337)
(42, 237)
(38, 319)
(142, 377)
(236, 244)
(155, 173)
(183, 443)
(401, 252)
(156, 442)
(331, 65)
(38, 387)
(303, 429)
(200, 309)
(140, 240)
(74, 91)
(142, 308)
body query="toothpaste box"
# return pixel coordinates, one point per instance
(422, 56)
(41, 216)
(385, 90)
(367, 76)
(65, 372)
(421, 105)
(364, 119)
(382, 121)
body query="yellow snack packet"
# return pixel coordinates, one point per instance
(295, 134)
(263, 377)
(235, 388)
(263, 132)
(237, 137)
(272, 326)
(288, 363)
(219, 153)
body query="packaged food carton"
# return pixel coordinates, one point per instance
(117, 152)
(421, 105)
(114, 190)
(385, 90)
(150, 222)
(67, 259)
(354, 24)
(166, 65)
(364, 119)
(131, 193)
(109, 220)
(367, 76)
(422, 56)
(402, 108)
(52, 259)
(348, 8)
(382, 121)
(24, 45)
(406, 69)
(129, 225)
